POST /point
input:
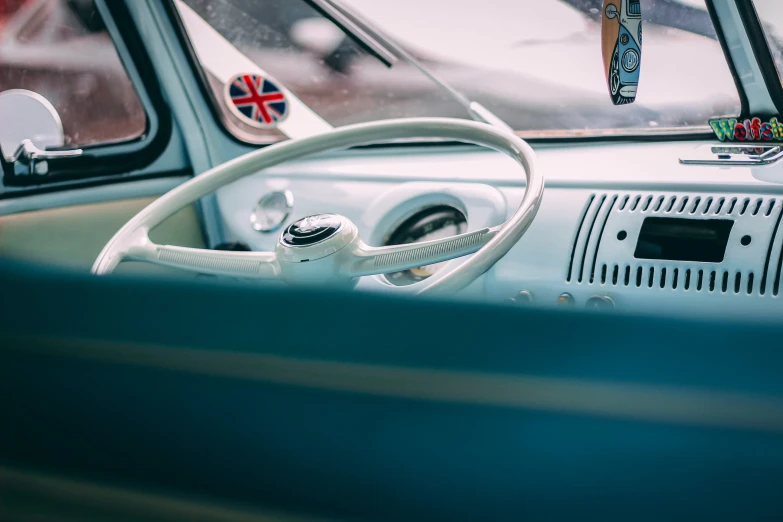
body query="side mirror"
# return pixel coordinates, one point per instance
(26, 115)
(621, 46)
(29, 128)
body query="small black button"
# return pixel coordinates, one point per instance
(234, 247)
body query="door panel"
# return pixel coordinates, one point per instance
(74, 236)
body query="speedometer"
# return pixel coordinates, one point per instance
(427, 224)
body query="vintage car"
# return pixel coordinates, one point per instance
(403, 260)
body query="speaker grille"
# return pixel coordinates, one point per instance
(604, 239)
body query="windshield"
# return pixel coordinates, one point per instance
(536, 64)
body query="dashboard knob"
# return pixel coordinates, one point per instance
(600, 302)
(271, 211)
(565, 299)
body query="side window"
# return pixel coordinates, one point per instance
(61, 50)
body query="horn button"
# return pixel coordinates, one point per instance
(312, 230)
(315, 237)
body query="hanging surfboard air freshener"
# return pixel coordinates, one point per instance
(256, 100)
(621, 45)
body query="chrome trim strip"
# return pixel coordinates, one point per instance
(730, 155)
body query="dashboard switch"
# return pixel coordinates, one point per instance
(565, 299)
(600, 302)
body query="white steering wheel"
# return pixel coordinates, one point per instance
(327, 247)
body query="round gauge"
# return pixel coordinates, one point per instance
(427, 224)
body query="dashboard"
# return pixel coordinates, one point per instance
(623, 226)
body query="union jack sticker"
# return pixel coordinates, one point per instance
(256, 100)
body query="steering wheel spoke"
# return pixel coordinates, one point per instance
(384, 260)
(253, 265)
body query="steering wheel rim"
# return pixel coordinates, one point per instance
(487, 245)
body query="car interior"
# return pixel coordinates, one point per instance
(366, 260)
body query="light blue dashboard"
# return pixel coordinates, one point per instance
(594, 195)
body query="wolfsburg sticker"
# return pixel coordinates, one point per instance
(732, 129)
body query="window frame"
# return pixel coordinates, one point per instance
(760, 47)
(679, 136)
(115, 158)
(200, 74)
(744, 104)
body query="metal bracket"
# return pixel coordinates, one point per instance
(29, 160)
(735, 155)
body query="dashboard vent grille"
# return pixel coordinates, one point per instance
(588, 237)
(693, 279)
(601, 255)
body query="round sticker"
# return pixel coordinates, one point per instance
(256, 100)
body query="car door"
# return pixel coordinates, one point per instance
(87, 59)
